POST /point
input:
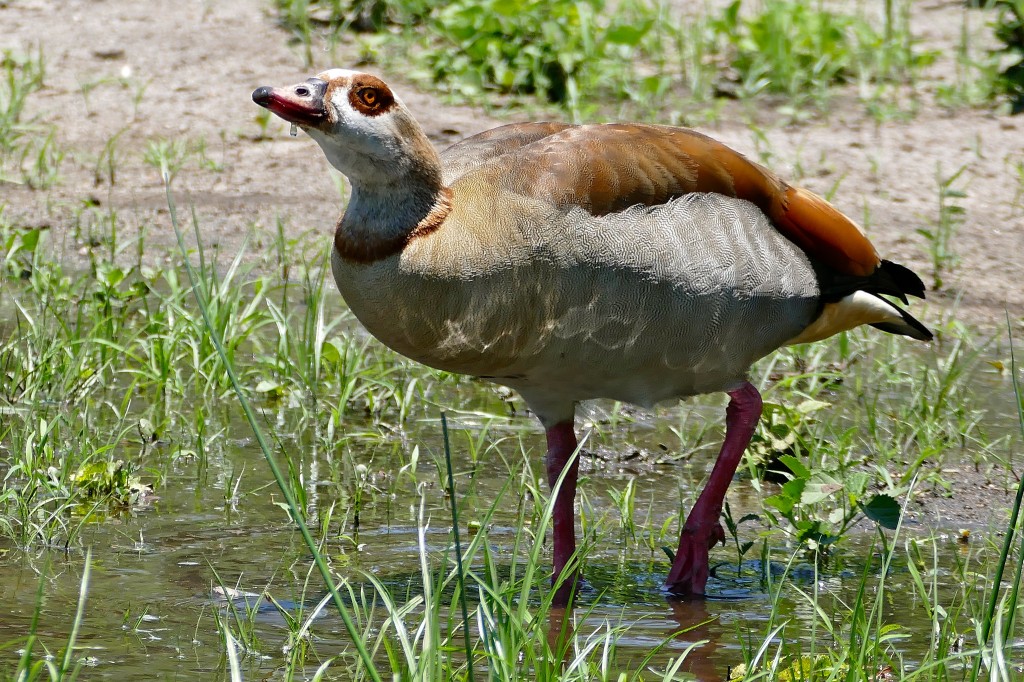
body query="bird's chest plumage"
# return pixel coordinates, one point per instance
(660, 309)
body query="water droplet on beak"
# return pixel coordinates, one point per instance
(294, 132)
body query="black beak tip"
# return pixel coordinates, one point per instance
(262, 95)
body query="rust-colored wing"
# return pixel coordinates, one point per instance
(607, 168)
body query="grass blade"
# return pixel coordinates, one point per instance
(201, 300)
(83, 590)
(1011, 527)
(458, 545)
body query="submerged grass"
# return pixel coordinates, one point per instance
(31, 666)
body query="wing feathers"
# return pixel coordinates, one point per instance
(467, 154)
(823, 232)
(903, 278)
(608, 168)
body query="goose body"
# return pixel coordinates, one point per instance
(545, 307)
(634, 262)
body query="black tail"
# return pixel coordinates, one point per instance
(899, 280)
(913, 328)
(889, 279)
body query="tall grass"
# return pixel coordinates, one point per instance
(28, 150)
(206, 308)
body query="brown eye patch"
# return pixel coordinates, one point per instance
(370, 96)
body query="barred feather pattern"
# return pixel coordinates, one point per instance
(682, 297)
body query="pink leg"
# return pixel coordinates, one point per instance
(702, 531)
(561, 448)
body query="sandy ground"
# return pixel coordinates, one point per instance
(185, 69)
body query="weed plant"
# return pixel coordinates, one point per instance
(1009, 31)
(640, 52)
(942, 236)
(802, 50)
(26, 156)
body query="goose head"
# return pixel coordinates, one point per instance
(361, 125)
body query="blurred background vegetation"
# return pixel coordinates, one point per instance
(640, 53)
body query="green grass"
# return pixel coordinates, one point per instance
(648, 56)
(31, 665)
(29, 153)
(1009, 31)
(119, 372)
(100, 365)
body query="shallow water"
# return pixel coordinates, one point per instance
(153, 592)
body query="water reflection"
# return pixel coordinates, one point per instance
(679, 627)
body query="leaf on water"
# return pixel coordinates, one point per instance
(883, 510)
(270, 387)
(287, 510)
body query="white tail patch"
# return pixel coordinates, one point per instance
(852, 311)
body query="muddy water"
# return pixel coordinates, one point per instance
(153, 594)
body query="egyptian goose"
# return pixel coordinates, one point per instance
(635, 262)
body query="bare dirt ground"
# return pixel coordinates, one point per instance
(186, 68)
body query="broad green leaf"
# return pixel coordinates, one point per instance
(808, 406)
(787, 498)
(625, 34)
(796, 466)
(883, 510)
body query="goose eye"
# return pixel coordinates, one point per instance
(369, 96)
